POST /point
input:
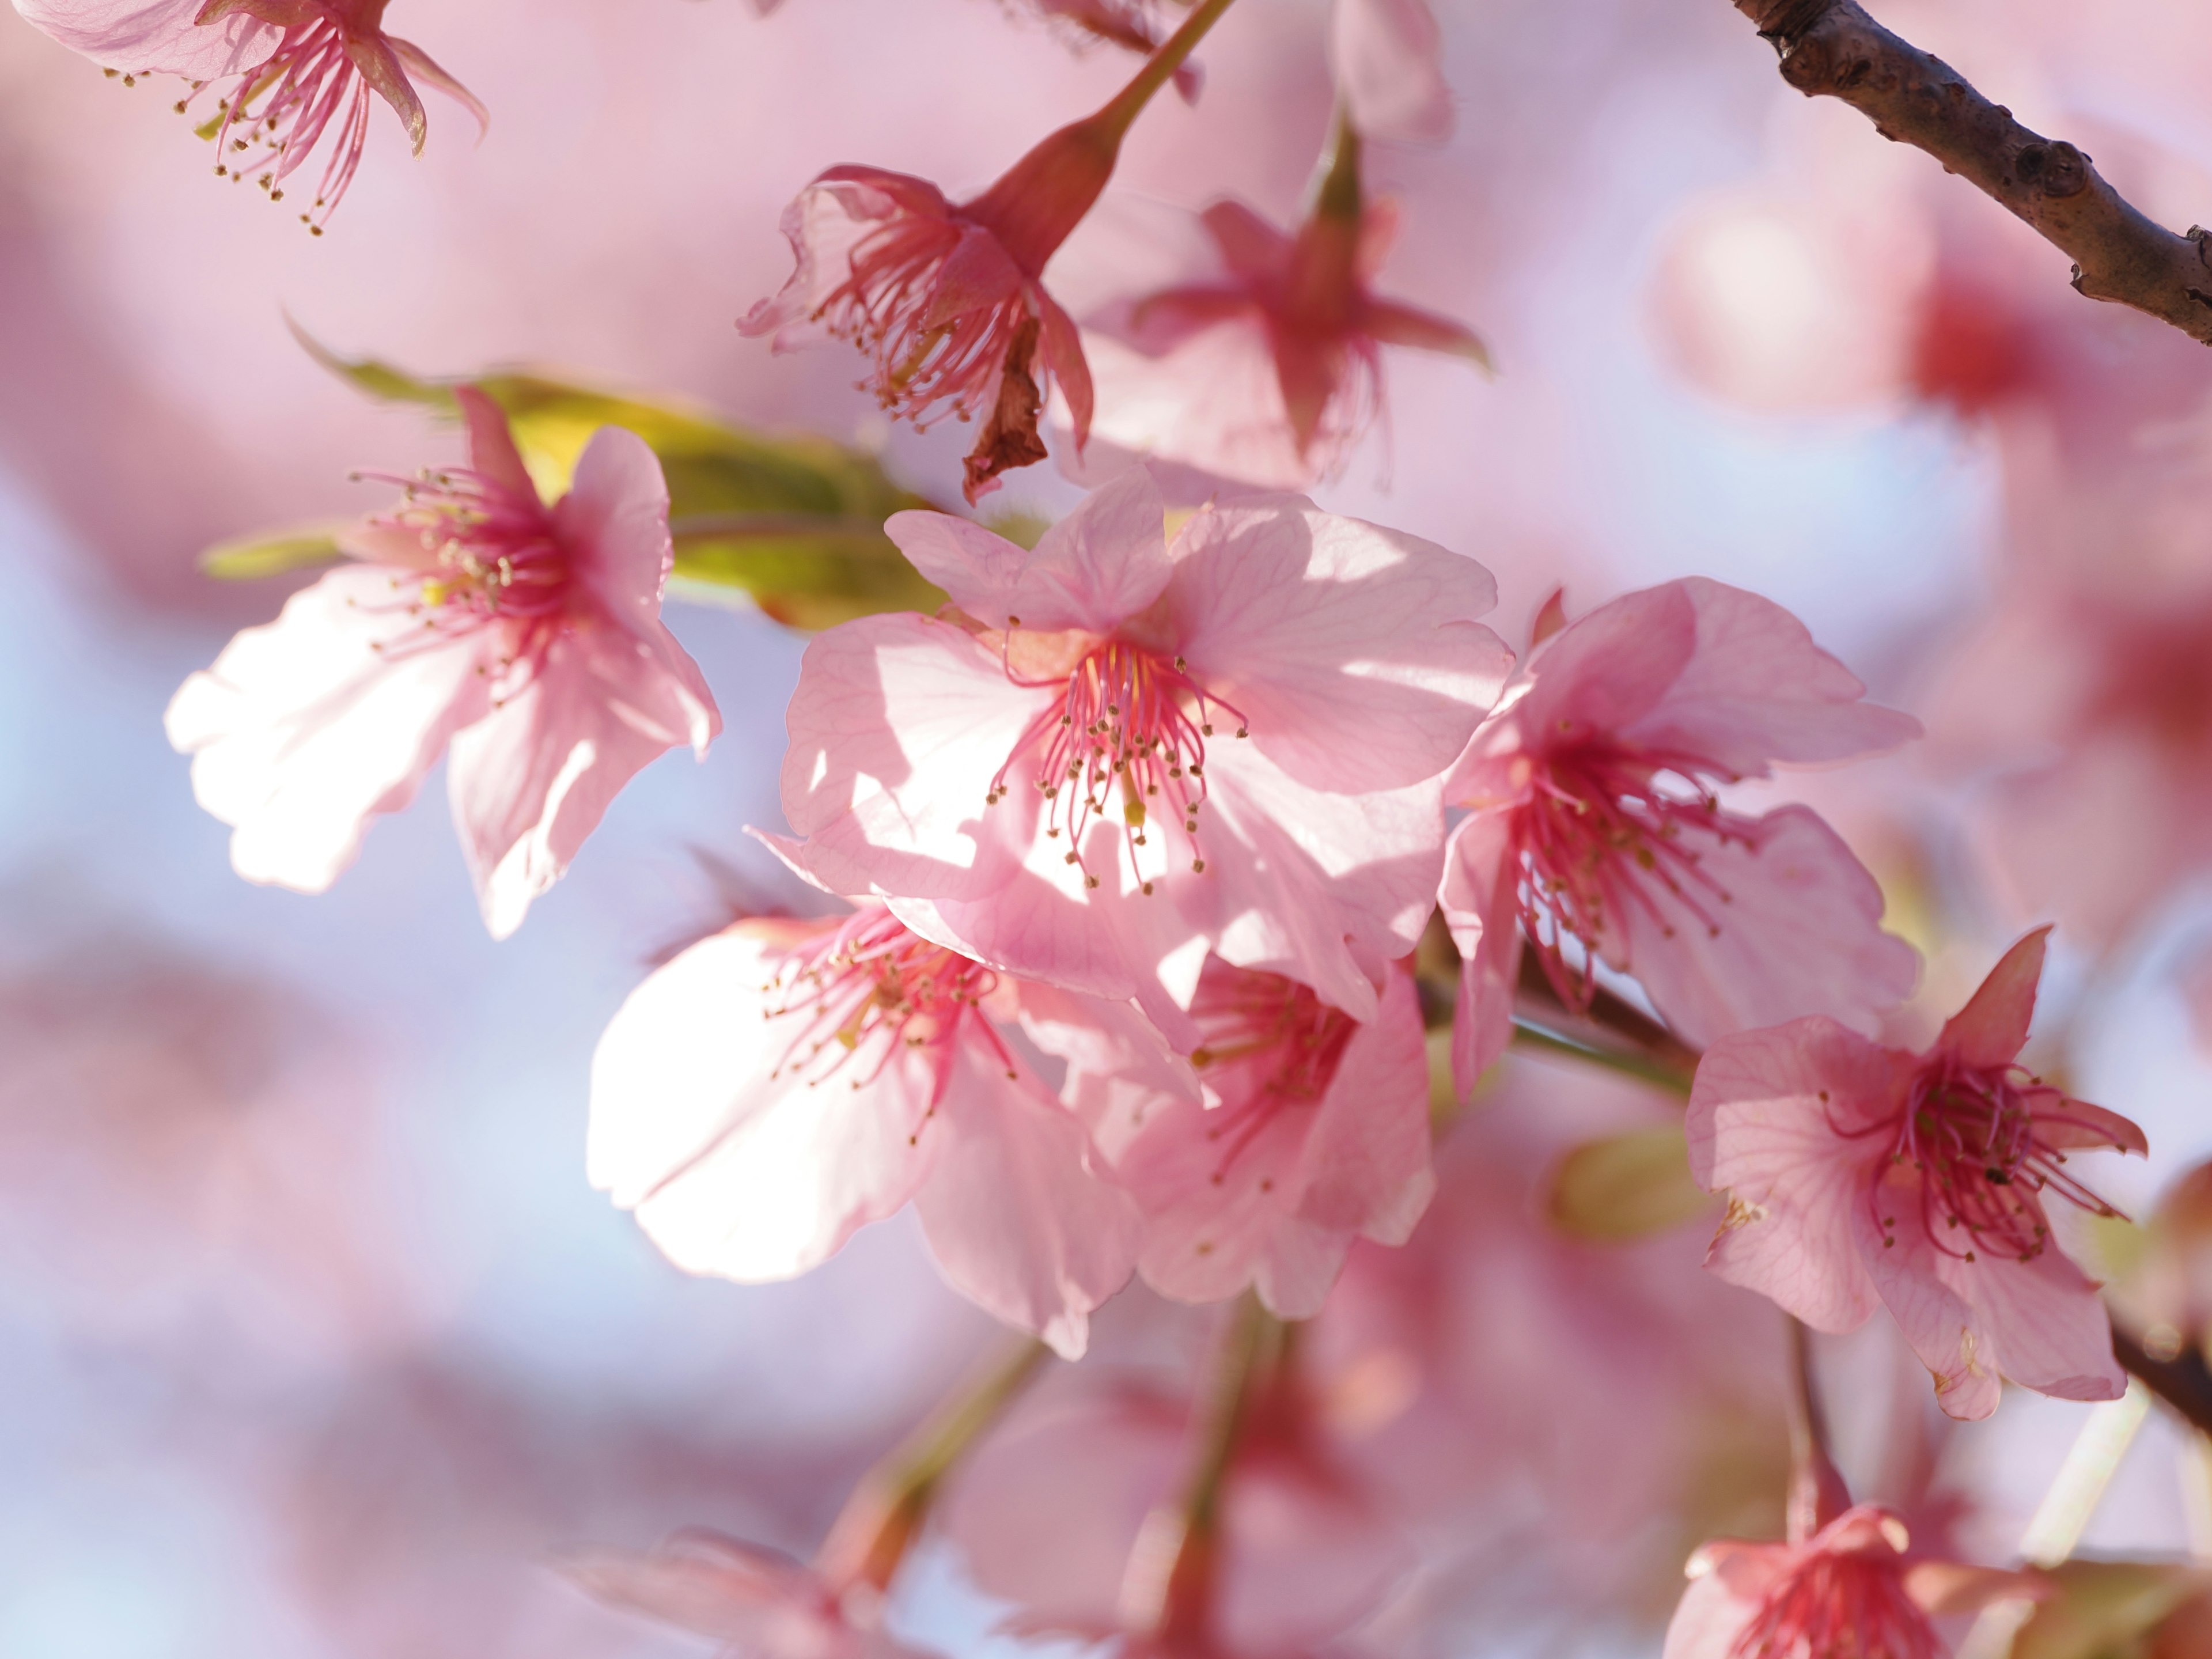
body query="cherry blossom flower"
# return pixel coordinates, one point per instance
(1308, 1129)
(949, 298)
(1268, 368)
(761, 1602)
(526, 637)
(1388, 55)
(1127, 753)
(1861, 1176)
(780, 1085)
(1593, 824)
(304, 69)
(1850, 1588)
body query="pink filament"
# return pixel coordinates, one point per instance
(1835, 1605)
(490, 556)
(1269, 1044)
(1974, 1137)
(871, 991)
(1597, 830)
(1128, 721)
(303, 87)
(887, 307)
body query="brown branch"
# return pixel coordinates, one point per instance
(2183, 1381)
(1832, 47)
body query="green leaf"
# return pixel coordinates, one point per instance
(2107, 1609)
(795, 522)
(271, 555)
(1627, 1187)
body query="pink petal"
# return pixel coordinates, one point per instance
(1350, 650)
(2073, 1124)
(1120, 1069)
(1063, 356)
(1759, 1130)
(732, 1170)
(1325, 889)
(1251, 247)
(428, 69)
(1389, 59)
(1756, 689)
(1312, 1555)
(160, 37)
(1799, 932)
(1708, 1620)
(614, 525)
(1916, 1281)
(1102, 563)
(1393, 324)
(716, 1586)
(899, 729)
(1992, 1027)
(825, 223)
(1604, 671)
(305, 728)
(491, 443)
(1014, 1213)
(1479, 897)
(2046, 1324)
(379, 65)
(1278, 1206)
(531, 780)
(1200, 390)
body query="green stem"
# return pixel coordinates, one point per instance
(870, 1537)
(1159, 69)
(1817, 1493)
(1532, 1032)
(1335, 191)
(1167, 1592)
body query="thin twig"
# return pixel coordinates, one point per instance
(1832, 48)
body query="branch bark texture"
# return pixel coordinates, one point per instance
(1831, 48)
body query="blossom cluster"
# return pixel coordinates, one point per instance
(1174, 896)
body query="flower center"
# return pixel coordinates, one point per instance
(283, 107)
(887, 307)
(488, 555)
(1596, 834)
(1837, 1605)
(869, 992)
(1269, 1043)
(1973, 1136)
(1129, 724)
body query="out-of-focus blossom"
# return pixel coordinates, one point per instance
(1311, 1130)
(1850, 1588)
(1389, 70)
(1859, 1175)
(2093, 704)
(1477, 1376)
(2165, 1291)
(1133, 25)
(1268, 368)
(1061, 1514)
(304, 68)
(949, 298)
(1595, 833)
(761, 1602)
(1128, 752)
(526, 637)
(782, 1085)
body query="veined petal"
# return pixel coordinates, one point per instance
(1350, 650)
(1102, 564)
(1992, 1027)
(732, 1169)
(305, 728)
(160, 37)
(1016, 1215)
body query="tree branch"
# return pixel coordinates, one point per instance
(1832, 47)
(2183, 1382)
